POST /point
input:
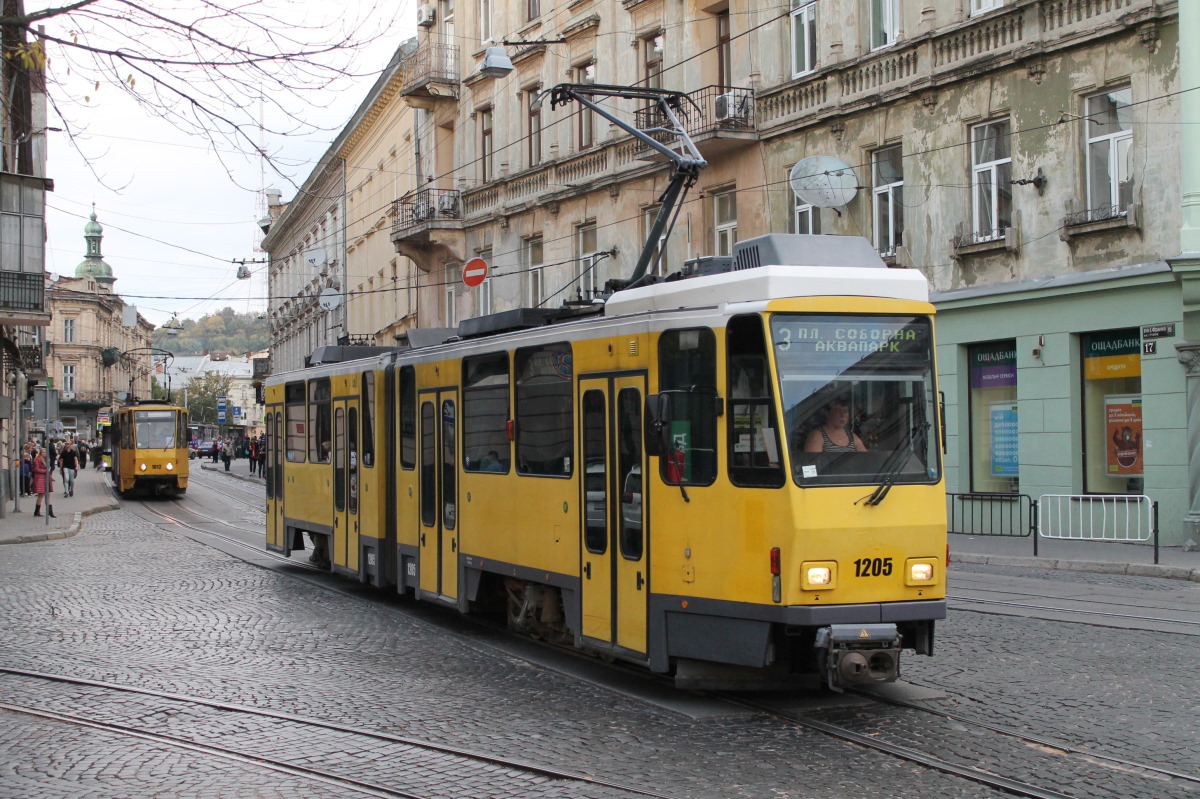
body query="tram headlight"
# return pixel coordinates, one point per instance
(920, 571)
(142, 466)
(818, 575)
(170, 466)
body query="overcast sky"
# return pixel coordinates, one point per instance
(174, 220)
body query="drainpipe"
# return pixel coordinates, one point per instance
(1187, 263)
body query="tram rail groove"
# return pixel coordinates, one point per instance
(1078, 611)
(483, 757)
(966, 718)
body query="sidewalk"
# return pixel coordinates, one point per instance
(93, 494)
(1101, 557)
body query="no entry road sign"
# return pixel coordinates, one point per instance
(475, 272)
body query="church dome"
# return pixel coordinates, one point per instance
(93, 265)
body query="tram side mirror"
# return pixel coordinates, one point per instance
(658, 424)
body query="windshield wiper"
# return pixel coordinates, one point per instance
(894, 464)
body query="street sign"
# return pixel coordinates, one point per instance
(475, 272)
(222, 404)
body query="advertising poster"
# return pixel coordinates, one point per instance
(1003, 417)
(1123, 417)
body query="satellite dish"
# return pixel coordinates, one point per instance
(315, 257)
(330, 299)
(823, 181)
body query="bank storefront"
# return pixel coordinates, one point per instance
(1068, 386)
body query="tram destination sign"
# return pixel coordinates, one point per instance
(805, 341)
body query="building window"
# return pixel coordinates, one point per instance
(658, 258)
(1109, 146)
(885, 22)
(533, 9)
(980, 6)
(724, 52)
(1112, 411)
(887, 169)
(450, 295)
(807, 218)
(486, 145)
(68, 331)
(586, 121)
(485, 20)
(991, 180)
(534, 125)
(591, 281)
(993, 414)
(535, 273)
(68, 377)
(483, 292)
(652, 62)
(804, 37)
(724, 221)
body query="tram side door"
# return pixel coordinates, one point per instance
(345, 483)
(615, 566)
(438, 542)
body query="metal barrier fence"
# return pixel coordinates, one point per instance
(1099, 517)
(981, 513)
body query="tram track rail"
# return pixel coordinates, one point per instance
(455, 759)
(962, 603)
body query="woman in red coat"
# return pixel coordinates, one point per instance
(43, 483)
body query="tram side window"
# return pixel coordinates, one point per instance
(544, 410)
(319, 420)
(368, 419)
(294, 397)
(753, 430)
(687, 370)
(485, 414)
(408, 418)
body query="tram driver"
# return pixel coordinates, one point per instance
(835, 434)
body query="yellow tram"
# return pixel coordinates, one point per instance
(650, 482)
(150, 449)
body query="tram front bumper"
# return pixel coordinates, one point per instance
(856, 654)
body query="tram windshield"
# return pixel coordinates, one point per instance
(858, 398)
(155, 429)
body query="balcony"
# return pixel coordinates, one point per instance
(430, 73)
(719, 119)
(417, 219)
(85, 399)
(32, 361)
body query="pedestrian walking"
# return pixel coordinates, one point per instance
(43, 483)
(253, 455)
(68, 464)
(216, 449)
(262, 456)
(82, 450)
(227, 453)
(27, 470)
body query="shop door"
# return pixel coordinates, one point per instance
(614, 563)
(439, 495)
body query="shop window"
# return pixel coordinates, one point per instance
(687, 371)
(485, 414)
(993, 414)
(753, 428)
(544, 410)
(1112, 412)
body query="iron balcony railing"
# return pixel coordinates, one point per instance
(1096, 214)
(979, 237)
(22, 291)
(421, 208)
(430, 62)
(712, 109)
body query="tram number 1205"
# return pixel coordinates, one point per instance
(872, 567)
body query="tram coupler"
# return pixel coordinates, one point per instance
(854, 654)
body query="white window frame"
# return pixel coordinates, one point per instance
(450, 300)
(68, 377)
(483, 292)
(984, 6)
(485, 20)
(586, 128)
(998, 172)
(658, 259)
(68, 330)
(724, 227)
(487, 145)
(884, 19)
(804, 30)
(806, 218)
(1120, 146)
(590, 281)
(894, 193)
(532, 259)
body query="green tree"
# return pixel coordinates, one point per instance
(202, 393)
